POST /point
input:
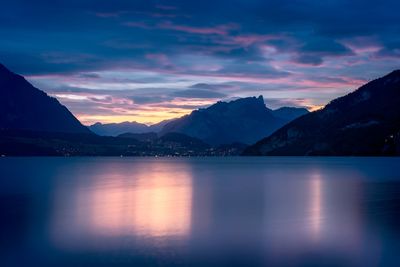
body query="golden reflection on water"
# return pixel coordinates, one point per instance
(156, 205)
(162, 207)
(153, 202)
(316, 205)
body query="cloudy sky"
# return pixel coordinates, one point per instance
(113, 61)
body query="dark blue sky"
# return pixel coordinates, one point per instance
(151, 60)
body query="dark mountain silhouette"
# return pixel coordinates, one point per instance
(35, 143)
(245, 120)
(157, 127)
(115, 129)
(364, 122)
(183, 140)
(140, 136)
(289, 113)
(167, 139)
(176, 138)
(25, 107)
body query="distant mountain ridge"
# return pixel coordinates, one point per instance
(244, 120)
(115, 129)
(24, 107)
(364, 122)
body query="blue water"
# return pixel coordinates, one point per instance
(200, 212)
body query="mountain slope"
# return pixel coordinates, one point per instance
(25, 107)
(115, 129)
(289, 113)
(364, 122)
(183, 140)
(140, 136)
(244, 120)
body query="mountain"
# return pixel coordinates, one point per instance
(182, 140)
(364, 122)
(25, 107)
(244, 120)
(140, 136)
(160, 125)
(169, 138)
(289, 113)
(115, 129)
(34, 143)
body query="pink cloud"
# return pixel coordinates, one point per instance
(341, 83)
(249, 39)
(363, 45)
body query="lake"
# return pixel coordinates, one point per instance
(239, 211)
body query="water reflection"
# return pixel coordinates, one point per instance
(151, 202)
(201, 212)
(161, 205)
(313, 210)
(316, 205)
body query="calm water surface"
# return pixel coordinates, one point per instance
(200, 212)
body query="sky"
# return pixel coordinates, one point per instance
(146, 61)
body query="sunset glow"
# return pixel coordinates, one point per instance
(142, 62)
(152, 205)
